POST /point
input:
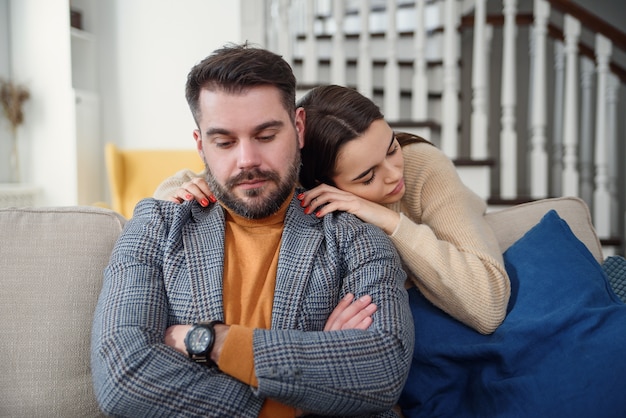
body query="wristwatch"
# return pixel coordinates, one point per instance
(199, 342)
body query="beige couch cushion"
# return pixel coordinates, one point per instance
(52, 263)
(511, 223)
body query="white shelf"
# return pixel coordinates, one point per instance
(17, 195)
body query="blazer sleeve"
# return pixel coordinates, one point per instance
(348, 372)
(134, 372)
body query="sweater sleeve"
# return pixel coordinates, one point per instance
(169, 186)
(450, 250)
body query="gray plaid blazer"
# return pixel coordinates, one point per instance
(166, 269)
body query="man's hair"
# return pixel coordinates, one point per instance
(235, 68)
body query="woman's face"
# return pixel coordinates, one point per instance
(371, 166)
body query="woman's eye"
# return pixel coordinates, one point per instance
(370, 180)
(393, 150)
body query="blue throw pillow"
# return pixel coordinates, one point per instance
(560, 352)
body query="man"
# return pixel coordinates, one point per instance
(257, 276)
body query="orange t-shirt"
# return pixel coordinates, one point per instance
(250, 265)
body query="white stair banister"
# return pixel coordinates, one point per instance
(364, 61)
(611, 126)
(556, 157)
(310, 71)
(338, 60)
(586, 130)
(285, 46)
(392, 70)
(508, 136)
(602, 197)
(538, 154)
(570, 122)
(450, 99)
(419, 94)
(479, 148)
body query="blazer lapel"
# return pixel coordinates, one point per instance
(204, 251)
(298, 249)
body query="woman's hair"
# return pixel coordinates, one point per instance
(335, 115)
(237, 67)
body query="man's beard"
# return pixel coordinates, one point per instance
(259, 207)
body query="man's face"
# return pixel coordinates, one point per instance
(251, 148)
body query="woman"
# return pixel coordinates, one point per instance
(352, 161)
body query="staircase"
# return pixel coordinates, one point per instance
(511, 92)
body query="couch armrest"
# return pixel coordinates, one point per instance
(510, 224)
(51, 275)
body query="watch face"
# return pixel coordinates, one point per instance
(199, 340)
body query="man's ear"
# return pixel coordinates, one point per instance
(300, 123)
(198, 138)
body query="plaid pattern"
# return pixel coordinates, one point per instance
(167, 268)
(615, 269)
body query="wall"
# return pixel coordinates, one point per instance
(146, 50)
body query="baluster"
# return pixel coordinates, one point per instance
(450, 99)
(285, 47)
(508, 136)
(479, 148)
(419, 95)
(364, 61)
(538, 155)
(570, 122)
(612, 146)
(586, 139)
(309, 73)
(392, 70)
(338, 62)
(557, 119)
(602, 198)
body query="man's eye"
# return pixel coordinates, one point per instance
(266, 138)
(223, 144)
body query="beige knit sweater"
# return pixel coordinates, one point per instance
(449, 251)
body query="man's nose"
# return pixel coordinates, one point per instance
(249, 154)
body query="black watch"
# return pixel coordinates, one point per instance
(199, 342)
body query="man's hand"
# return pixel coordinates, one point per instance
(351, 314)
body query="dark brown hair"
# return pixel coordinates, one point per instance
(237, 67)
(335, 115)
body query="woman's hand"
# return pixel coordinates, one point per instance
(197, 189)
(351, 314)
(334, 199)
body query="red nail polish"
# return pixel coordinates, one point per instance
(300, 196)
(188, 196)
(212, 199)
(318, 214)
(302, 203)
(308, 210)
(204, 202)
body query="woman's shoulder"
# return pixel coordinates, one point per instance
(423, 156)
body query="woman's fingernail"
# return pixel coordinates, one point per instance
(300, 196)
(318, 214)
(204, 202)
(188, 196)
(212, 199)
(308, 210)
(302, 203)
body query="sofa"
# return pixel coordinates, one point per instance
(52, 264)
